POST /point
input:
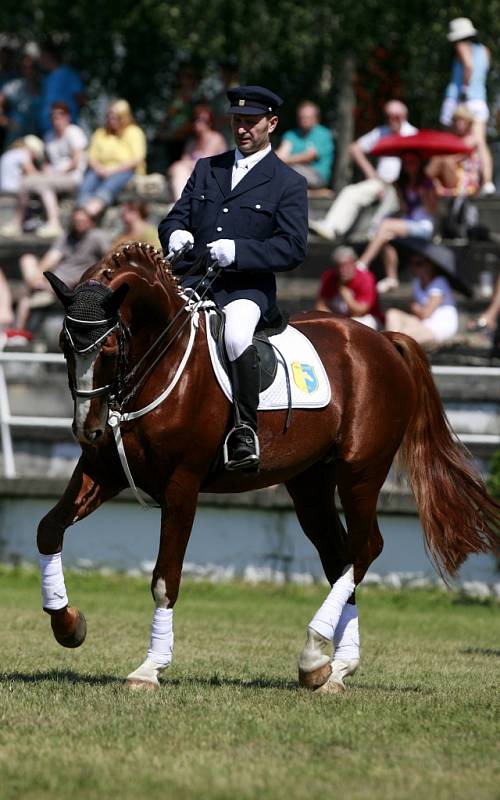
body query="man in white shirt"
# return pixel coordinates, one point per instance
(378, 183)
(65, 147)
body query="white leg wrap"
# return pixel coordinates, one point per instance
(160, 650)
(325, 620)
(347, 635)
(54, 595)
(162, 637)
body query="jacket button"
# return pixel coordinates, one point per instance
(218, 229)
(257, 205)
(202, 196)
(225, 210)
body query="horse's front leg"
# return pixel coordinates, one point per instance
(177, 518)
(82, 496)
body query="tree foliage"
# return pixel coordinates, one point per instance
(133, 47)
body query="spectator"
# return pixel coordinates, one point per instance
(433, 316)
(135, 225)
(308, 148)
(65, 150)
(459, 175)
(20, 102)
(175, 127)
(68, 258)
(206, 142)
(19, 160)
(418, 204)
(116, 153)
(6, 312)
(348, 290)
(467, 84)
(60, 84)
(490, 319)
(377, 185)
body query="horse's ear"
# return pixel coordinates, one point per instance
(113, 303)
(63, 292)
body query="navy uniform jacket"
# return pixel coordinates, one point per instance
(266, 215)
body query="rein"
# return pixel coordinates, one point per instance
(116, 416)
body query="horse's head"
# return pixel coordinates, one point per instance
(94, 342)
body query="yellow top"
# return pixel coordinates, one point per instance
(112, 150)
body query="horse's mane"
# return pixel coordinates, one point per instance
(130, 254)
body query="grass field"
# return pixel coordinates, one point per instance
(420, 719)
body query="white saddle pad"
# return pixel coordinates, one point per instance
(309, 384)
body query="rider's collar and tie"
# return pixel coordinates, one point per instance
(243, 164)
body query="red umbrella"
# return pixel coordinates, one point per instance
(426, 143)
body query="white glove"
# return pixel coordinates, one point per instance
(178, 239)
(223, 251)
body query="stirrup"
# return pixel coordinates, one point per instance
(250, 461)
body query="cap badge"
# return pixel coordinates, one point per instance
(241, 102)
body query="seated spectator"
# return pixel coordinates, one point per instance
(308, 148)
(433, 316)
(20, 101)
(490, 319)
(6, 311)
(418, 204)
(116, 153)
(69, 257)
(19, 160)
(135, 225)
(63, 171)
(350, 291)
(378, 183)
(175, 127)
(61, 83)
(467, 85)
(459, 175)
(205, 142)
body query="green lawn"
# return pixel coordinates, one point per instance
(420, 719)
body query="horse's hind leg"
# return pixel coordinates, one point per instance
(313, 494)
(358, 490)
(82, 496)
(337, 620)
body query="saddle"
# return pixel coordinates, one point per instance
(268, 363)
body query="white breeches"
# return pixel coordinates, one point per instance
(242, 317)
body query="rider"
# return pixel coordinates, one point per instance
(248, 210)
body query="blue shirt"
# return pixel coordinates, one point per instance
(477, 83)
(438, 286)
(62, 84)
(318, 137)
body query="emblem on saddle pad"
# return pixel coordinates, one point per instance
(304, 377)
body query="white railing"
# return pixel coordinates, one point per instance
(8, 420)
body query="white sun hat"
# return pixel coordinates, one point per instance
(460, 28)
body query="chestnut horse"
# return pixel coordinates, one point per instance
(130, 331)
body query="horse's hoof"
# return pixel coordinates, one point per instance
(141, 686)
(331, 686)
(316, 678)
(75, 636)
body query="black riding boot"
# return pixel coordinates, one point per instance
(242, 442)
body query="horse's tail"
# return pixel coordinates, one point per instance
(458, 515)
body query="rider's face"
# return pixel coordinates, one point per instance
(251, 133)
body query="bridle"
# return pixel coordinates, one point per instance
(115, 390)
(123, 335)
